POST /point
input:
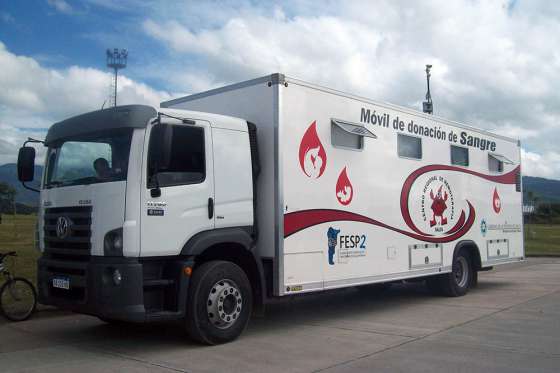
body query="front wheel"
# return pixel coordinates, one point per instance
(18, 299)
(219, 303)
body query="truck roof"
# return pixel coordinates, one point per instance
(215, 120)
(127, 116)
(278, 78)
(131, 116)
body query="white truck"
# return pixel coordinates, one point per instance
(205, 209)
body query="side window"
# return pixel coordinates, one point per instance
(179, 159)
(459, 155)
(409, 146)
(495, 164)
(349, 135)
(346, 140)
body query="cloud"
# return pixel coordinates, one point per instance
(546, 165)
(33, 97)
(7, 18)
(495, 63)
(61, 6)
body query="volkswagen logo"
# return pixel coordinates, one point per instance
(62, 227)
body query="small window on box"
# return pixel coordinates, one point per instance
(496, 162)
(459, 155)
(349, 135)
(409, 146)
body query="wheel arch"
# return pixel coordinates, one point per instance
(235, 245)
(474, 252)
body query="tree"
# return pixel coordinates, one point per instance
(7, 198)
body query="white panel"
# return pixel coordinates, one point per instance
(301, 268)
(233, 178)
(425, 256)
(498, 249)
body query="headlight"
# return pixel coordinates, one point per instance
(117, 277)
(113, 243)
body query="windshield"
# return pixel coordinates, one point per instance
(94, 158)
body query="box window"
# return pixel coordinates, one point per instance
(459, 155)
(349, 135)
(496, 162)
(409, 146)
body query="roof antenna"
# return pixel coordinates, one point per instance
(428, 105)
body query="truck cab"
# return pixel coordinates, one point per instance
(132, 200)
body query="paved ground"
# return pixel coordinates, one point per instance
(511, 323)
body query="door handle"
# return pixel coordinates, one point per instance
(210, 208)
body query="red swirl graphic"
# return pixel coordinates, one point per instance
(508, 178)
(300, 220)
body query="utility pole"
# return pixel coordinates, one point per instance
(428, 105)
(116, 60)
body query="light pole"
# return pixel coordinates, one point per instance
(428, 105)
(116, 60)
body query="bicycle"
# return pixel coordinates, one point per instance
(18, 297)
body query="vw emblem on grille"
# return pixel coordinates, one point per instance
(62, 227)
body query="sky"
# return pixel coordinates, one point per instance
(496, 64)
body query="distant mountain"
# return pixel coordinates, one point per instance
(546, 190)
(8, 174)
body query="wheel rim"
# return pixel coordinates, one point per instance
(17, 300)
(461, 272)
(224, 304)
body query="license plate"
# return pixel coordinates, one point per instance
(61, 283)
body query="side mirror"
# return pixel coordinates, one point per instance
(26, 163)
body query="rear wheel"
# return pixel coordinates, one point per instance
(18, 299)
(456, 283)
(219, 303)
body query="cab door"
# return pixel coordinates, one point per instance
(178, 190)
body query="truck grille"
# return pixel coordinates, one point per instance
(72, 242)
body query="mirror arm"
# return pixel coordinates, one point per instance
(30, 188)
(32, 140)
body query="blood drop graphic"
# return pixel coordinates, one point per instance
(344, 188)
(496, 202)
(312, 156)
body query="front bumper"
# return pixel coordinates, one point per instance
(93, 291)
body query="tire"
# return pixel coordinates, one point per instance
(219, 303)
(474, 280)
(458, 282)
(18, 299)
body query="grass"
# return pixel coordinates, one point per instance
(17, 233)
(542, 239)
